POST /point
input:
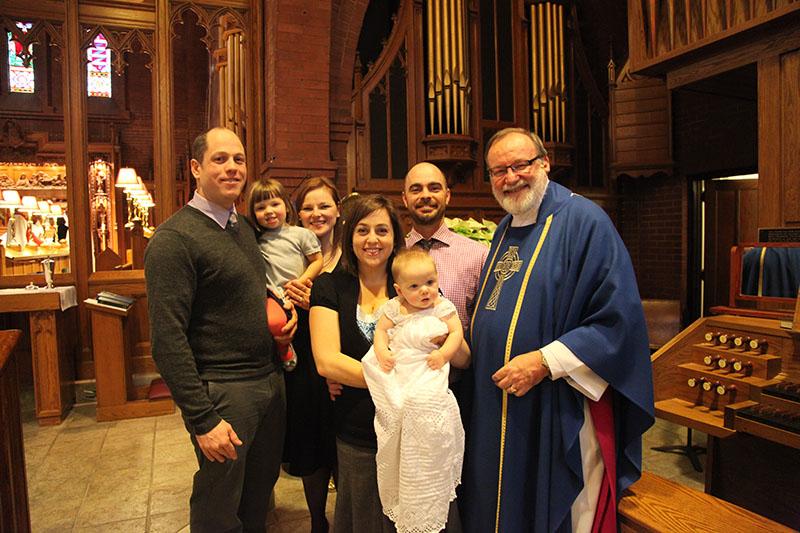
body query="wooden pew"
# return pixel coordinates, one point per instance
(14, 514)
(655, 504)
(663, 319)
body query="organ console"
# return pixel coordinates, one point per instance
(725, 340)
(758, 345)
(737, 379)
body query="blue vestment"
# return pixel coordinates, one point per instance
(581, 291)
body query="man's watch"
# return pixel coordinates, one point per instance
(544, 363)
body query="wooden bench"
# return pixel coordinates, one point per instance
(14, 514)
(657, 504)
(663, 319)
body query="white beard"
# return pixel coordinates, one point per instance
(526, 204)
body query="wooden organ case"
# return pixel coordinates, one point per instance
(737, 378)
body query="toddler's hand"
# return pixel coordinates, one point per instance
(435, 360)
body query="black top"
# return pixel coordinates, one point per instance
(208, 322)
(354, 411)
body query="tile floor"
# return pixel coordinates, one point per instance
(135, 475)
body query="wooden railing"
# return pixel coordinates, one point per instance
(14, 515)
(660, 31)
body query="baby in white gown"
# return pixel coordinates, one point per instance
(417, 421)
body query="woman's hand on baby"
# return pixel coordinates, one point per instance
(438, 341)
(299, 292)
(386, 361)
(334, 389)
(436, 360)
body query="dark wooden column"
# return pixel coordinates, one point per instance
(163, 149)
(14, 514)
(77, 159)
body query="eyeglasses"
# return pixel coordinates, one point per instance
(520, 166)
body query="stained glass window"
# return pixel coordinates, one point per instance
(20, 77)
(98, 82)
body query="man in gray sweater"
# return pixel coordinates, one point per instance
(208, 329)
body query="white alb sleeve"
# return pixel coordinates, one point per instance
(565, 364)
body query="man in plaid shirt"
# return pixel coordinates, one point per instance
(458, 259)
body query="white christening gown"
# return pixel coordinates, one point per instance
(417, 421)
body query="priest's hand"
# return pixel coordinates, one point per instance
(220, 443)
(521, 373)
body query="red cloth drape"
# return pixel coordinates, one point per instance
(602, 412)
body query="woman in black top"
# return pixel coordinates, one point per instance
(309, 450)
(345, 305)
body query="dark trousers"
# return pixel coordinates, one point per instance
(358, 505)
(234, 495)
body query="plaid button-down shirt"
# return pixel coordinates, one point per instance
(458, 261)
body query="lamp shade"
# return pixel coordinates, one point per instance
(138, 193)
(30, 202)
(11, 198)
(44, 207)
(126, 177)
(55, 209)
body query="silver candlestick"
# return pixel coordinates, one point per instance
(47, 265)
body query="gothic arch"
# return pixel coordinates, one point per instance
(207, 19)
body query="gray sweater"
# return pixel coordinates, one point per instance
(205, 293)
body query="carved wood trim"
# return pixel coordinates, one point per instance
(208, 18)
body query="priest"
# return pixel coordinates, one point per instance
(563, 382)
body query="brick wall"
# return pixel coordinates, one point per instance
(652, 219)
(298, 89)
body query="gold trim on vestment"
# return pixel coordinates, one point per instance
(509, 340)
(483, 285)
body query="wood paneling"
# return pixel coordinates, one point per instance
(764, 44)
(662, 37)
(772, 145)
(758, 474)
(640, 128)
(790, 136)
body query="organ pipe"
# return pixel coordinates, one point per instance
(548, 87)
(232, 82)
(447, 68)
